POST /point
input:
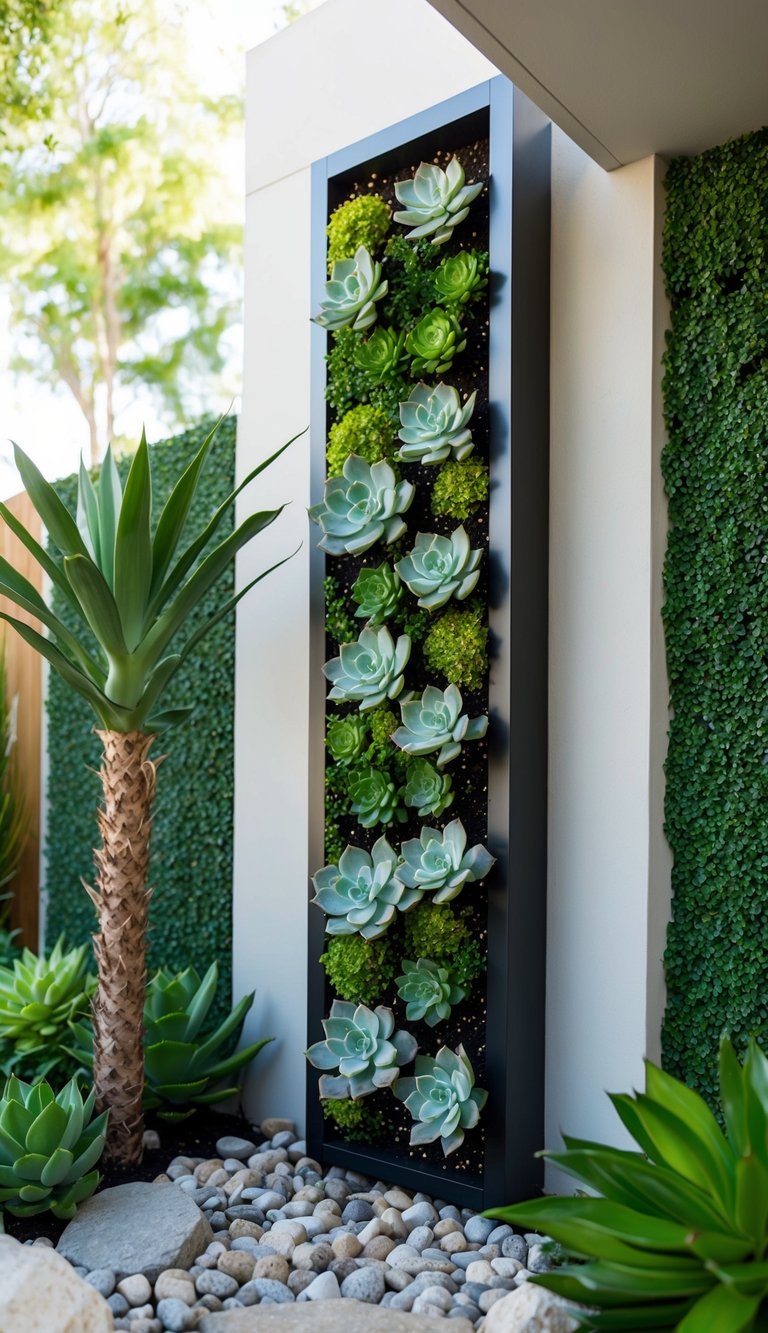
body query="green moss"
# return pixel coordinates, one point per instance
(347, 383)
(460, 488)
(361, 221)
(360, 970)
(367, 431)
(457, 646)
(410, 270)
(446, 935)
(383, 723)
(341, 626)
(412, 621)
(357, 1121)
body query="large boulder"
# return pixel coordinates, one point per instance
(530, 1309)
(328, 1317)
(136, 1228)
(39, 1293)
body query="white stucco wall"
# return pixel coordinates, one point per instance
(608, 871)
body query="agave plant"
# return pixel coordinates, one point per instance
(39, 997)
(49, 1147)
(132, 590)
(346, 738)
(426, 790)
(677, 1238)
(374, 797)
(437, 863)
(362, 506)
(362, 1045)
(351, 293)
(382, 356)
(370, 670)
(429, 991)
(442, 1098)
(436, 722)
(434, 342)
(435, 201)
(439, 568)
(434, 425)
(459, 278)
(362, 894)
(378, 593)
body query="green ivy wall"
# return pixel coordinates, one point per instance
(191, 861)
(716, 474)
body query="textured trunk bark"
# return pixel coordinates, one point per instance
(122, 898)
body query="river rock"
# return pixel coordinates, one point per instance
(327, 1317)
(529, 1310)
(136, 1228)
(39, 1292)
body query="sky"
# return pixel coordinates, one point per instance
(48, 425)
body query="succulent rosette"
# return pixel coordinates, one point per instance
(346, 738)
(435, 722)
(437, 863)
(426, 790)
(439, 568)
(377, 593)
(362, 1045)
(435, 201)
(375, 798)
(381, 356)
(362, 506)
(434, 425)
(429, 991)
(351, 293)
(434, 342)
(442, 1098)
(370, 670)
(459, 277)
(362, 893)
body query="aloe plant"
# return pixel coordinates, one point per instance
(39, 997)
(49, 1147)
(132, 590)
(678, 1235)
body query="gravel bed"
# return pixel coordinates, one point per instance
(287, 1231)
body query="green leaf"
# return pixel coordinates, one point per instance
(17, 589)
(176, 512)
(732, 1097)
(51, 567)
(88, 514)
(110, 501)
(109, 714)
(627, 1179)
(57, 1166)
(133, 549)
(44, 1134)
(229, 606)
(236, 1061)
(98, 604)
(56, 518)
(669, 1141)
(721, 1311)
(202, 1001)
(232, 1023)
(751, 1209)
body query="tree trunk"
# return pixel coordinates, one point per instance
(122, 898)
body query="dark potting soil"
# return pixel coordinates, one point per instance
(195, 1137)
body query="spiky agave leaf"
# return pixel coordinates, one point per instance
(679, 1237)
(39, 998)
(49, 1148)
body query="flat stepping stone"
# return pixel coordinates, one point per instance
(328, 1317)
(136, 1228)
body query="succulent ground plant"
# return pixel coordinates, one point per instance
(49, 1147)
(362, 506)
(460, 278)
(439, 568)
(378, 593)
(351, 293)
(436, 862)
(364, 220)
(346, 738)
(429, 991)
(426, 790)
(435, 201)
(434, 342)
(39, 997)
(363, 1047)
(362, 894)
(434, 425)
(435, 722)
(370, 670)
(442, 1098)
(375, 797)
(382, 356)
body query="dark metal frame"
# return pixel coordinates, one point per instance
(517, 789)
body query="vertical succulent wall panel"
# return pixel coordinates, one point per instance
(428, 745)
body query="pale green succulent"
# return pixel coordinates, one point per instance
(49, 1147)
(439, 568)
(434, 342)
(346, 738)
(370, 670)
(442, 1098)
(429, 991)
(362, 1045)
(436, 722)
(437, 863)
(375, 798)
(426, 790)
(362, 506)
(434, 425)
(435, 201)
(39, 997)
(351, 293)
(362, 894)
(460, 277)
(382, 356)
(377, 593)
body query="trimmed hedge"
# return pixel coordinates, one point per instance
(191, 851)
(716, 472)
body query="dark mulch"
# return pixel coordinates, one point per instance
(195, 1137)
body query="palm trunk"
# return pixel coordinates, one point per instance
(122, 898)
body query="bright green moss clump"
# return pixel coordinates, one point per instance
(446, 935)
(457, 646)
(366, 431)
(360, 970)
(410, 268)
(341, 626)
(362, 221)
(460, 488)
(383, 723)
(358, 1123)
